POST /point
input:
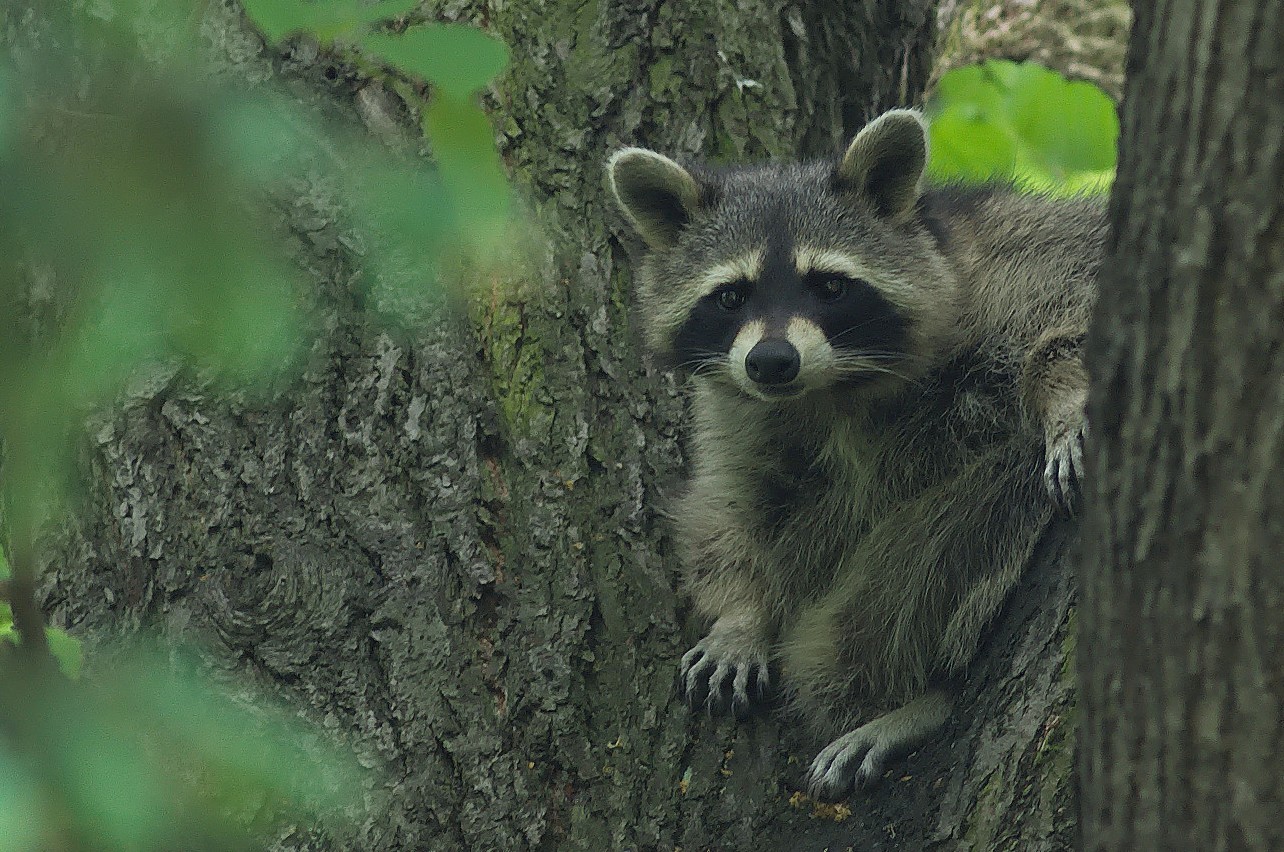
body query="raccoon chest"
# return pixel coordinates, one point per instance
(813, 507)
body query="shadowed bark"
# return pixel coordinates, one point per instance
(445, 545)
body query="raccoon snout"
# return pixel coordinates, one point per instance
(773, 362)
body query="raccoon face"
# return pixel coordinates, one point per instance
(782, 280)
(786, 320)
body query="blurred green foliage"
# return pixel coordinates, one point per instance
(144, 755)
(65, 648)
(142, 223)
(1003, 120)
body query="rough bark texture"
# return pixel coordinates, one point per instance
(445, 546)
(1182, 652)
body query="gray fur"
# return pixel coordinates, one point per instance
(861, 538)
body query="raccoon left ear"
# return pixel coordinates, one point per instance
(885, 162)
(657, 194)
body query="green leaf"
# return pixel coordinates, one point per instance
(972, 88)
(327, 19)
(66, 650)
(1068, 127)
(1023, 122)
(967, 145)
(457, 58)
(464, 144)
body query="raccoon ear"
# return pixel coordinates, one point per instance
(885, 162)
(655, 193)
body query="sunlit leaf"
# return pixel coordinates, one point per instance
(1069, 126)
(966, 145)
(457, 58)
(1022, 122)
(326, 19)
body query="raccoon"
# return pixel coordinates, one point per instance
(888, 410)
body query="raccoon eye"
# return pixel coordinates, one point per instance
(832, 289)
(732, 297)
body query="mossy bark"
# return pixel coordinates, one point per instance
(446, 546)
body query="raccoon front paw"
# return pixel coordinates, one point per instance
(1063, 471)
(725, 672)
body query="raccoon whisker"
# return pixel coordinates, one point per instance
(856, 366)
(858, 327)
(701, 360)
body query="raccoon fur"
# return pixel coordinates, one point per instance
(888, 409)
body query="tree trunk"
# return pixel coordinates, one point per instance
(1182, 652)
(447, 547)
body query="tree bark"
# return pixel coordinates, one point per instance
(1182, 653)
(446, 546)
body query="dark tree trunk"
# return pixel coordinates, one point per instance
(447, 547)
(1182, 650)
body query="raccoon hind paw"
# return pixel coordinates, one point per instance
(859, 758)
(721, 676)
(850, 763)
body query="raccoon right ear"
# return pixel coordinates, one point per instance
(657, 195)
(885, 162)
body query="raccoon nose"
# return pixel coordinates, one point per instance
(772, 362)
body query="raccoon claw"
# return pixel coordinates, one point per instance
(850, 763)
(721, 676)
(1064, 472)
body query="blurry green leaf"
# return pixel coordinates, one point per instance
(1068, 127)
(1025, 123)
(406, 216)
(459, 59)
(972, 90)
(66, 650)
(64, 647)
(261, 137)
(149, 755)
(464, 144)
(106, 778)
(326, 19)
(237, 750)
(966, 145)
(6, 613)
(20, 811)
